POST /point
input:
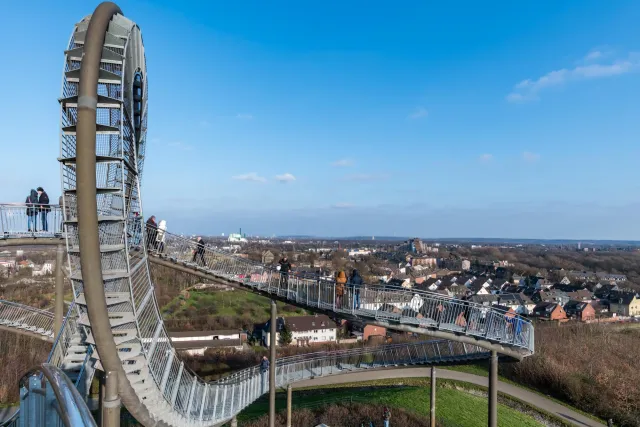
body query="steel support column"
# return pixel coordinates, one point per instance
(432, 409)
(289, 393)
(59, 300)
(272, 364)
(493, 390)
(111, 401)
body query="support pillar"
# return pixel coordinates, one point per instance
(111, 401)
(234, 422)
(493, 390)
(59, 299)
(100, 376)
(432, 409)
(289, 393)
(272, 365)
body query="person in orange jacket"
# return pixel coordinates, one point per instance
(341, 280)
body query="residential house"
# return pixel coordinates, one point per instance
(580, 310)
(43, 270)
(624, 303)
(486, 299)
(267, 257)
(373, 331)
(554, 296)
(480, 287)
(581, 295)
(315, 329)
(611, 277)
(520, 303)
(582, 275)
(604, 290)
(197, 342)
(565, 281)
(404, 282)
(549, 311)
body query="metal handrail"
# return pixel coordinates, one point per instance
(411, 306)
(73, 409)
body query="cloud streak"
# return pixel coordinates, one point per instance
(250, 177)
(529, 89)
(530, 157)
(244, 116)
(342, 205)
(419, 113)
(284, 178)
(365, 177)
(342, 163)
(486, 157)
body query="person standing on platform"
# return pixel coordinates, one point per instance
(32, 211)
(43, 202)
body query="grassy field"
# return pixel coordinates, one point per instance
(229, 309)
(454, 407)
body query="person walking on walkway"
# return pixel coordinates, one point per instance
(43, 204)
(285, 268)
(356, 281)
(152, 229)
(341, 280)
(386, 416)
(198, 254)
(32, 211)
(264, 369)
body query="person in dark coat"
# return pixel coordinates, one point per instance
(264, 371)
(32, 211)
(355, 281)
(285, 267)
(198, 254)
(152, 229)
(43, 202)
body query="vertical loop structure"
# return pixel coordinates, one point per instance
(116, 325)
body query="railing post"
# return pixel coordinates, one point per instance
(432, 410)
(493, 390)
(289, 393)
(111, 402)
(272, 365)
(59, 300)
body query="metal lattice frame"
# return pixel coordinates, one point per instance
(103, 120)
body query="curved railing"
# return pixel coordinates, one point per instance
(18, 220)
(395, 306)
(49, 397)
(23, 318)
(221, 400)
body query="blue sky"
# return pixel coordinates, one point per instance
(500, 119)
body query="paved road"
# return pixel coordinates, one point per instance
(532, 398)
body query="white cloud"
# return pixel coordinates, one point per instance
(365, 177)
(419, 113)
(528, 90)
(342, 205)
(342, 163)
(244, 116)
(252, 177)
(530, 157)
(286, 177)
(593, 55)
(486, 157)
(180, 145)
(204, 124)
